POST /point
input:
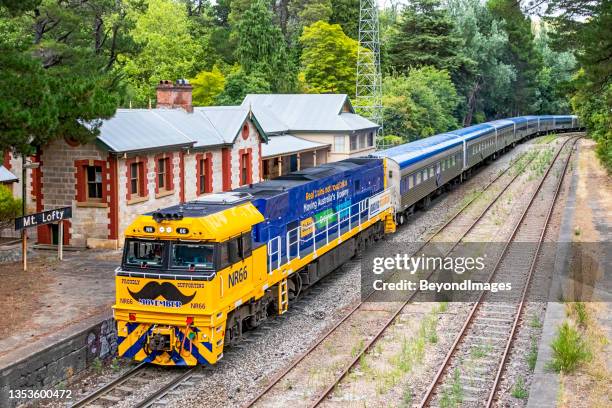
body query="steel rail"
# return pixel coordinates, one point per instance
(303, 355)
(438, 377)
(152, 398)
(531, 272)
(105, 389)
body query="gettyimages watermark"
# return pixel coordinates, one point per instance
(496, 271)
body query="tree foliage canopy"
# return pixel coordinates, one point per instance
(329, 58)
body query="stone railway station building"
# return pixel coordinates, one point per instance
(145, 159)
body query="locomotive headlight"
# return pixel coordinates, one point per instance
(168, 230)
(162, 229)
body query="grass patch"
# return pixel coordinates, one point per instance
(519, 390)
(540, 163)
(480, 350)
(96, 364)
(469, 198)
(579, 312)
(535, 322)
(407, 397)
(532, 356)
(524, 160)
(452, 396)
(569, 349)
(357, 348)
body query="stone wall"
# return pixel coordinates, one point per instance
(191, 182)
(251, 142)
(45, 369)
(130, 209)
(59, 190)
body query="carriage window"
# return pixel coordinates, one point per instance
(193, 256)
(144, 253)
(431, 172)
(424, 175)
(418, 179)
(410, 182)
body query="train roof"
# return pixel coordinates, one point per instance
(216, 202)
(412, 152)
(279, 185)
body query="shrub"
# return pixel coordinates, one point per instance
(569, 349)
(10, 207)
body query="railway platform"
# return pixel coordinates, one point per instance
(56, 317)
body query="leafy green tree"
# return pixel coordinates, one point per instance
(261, 47)
(167, 51)
(57, 70)
(346, 13)
(207, 85)
(310, 11)
(555, 77)
(585, 27)
(420, 104)
(484, 77)
(238, 84)
(329, 59)
(424, 36)
(27, 107)
(522, 53)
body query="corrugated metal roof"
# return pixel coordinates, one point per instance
(141, 129)
(226, 120)
(6, 176)
(269, 121)
(307, 112)
(287, 144)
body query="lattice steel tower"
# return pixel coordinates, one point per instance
(368, 94)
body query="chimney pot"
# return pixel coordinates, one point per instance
(175, 95)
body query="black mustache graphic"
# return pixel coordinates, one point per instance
(166, 290)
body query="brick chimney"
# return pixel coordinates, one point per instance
(174, 95)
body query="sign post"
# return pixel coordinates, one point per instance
(60, 241)
(57, 215)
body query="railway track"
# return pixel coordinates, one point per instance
(471, 371)
(132, 382)
(391, 314)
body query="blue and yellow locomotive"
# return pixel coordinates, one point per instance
(195, 275)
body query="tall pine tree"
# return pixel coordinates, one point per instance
(261, 47)
(521, 53)
(424, 36)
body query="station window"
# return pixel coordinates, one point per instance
(94, 183)
(164, 174)
(370, 139)
(204, 175)
(353, 142)
(136, 179)
(339, 144)
(245, 168)
(362, 140)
